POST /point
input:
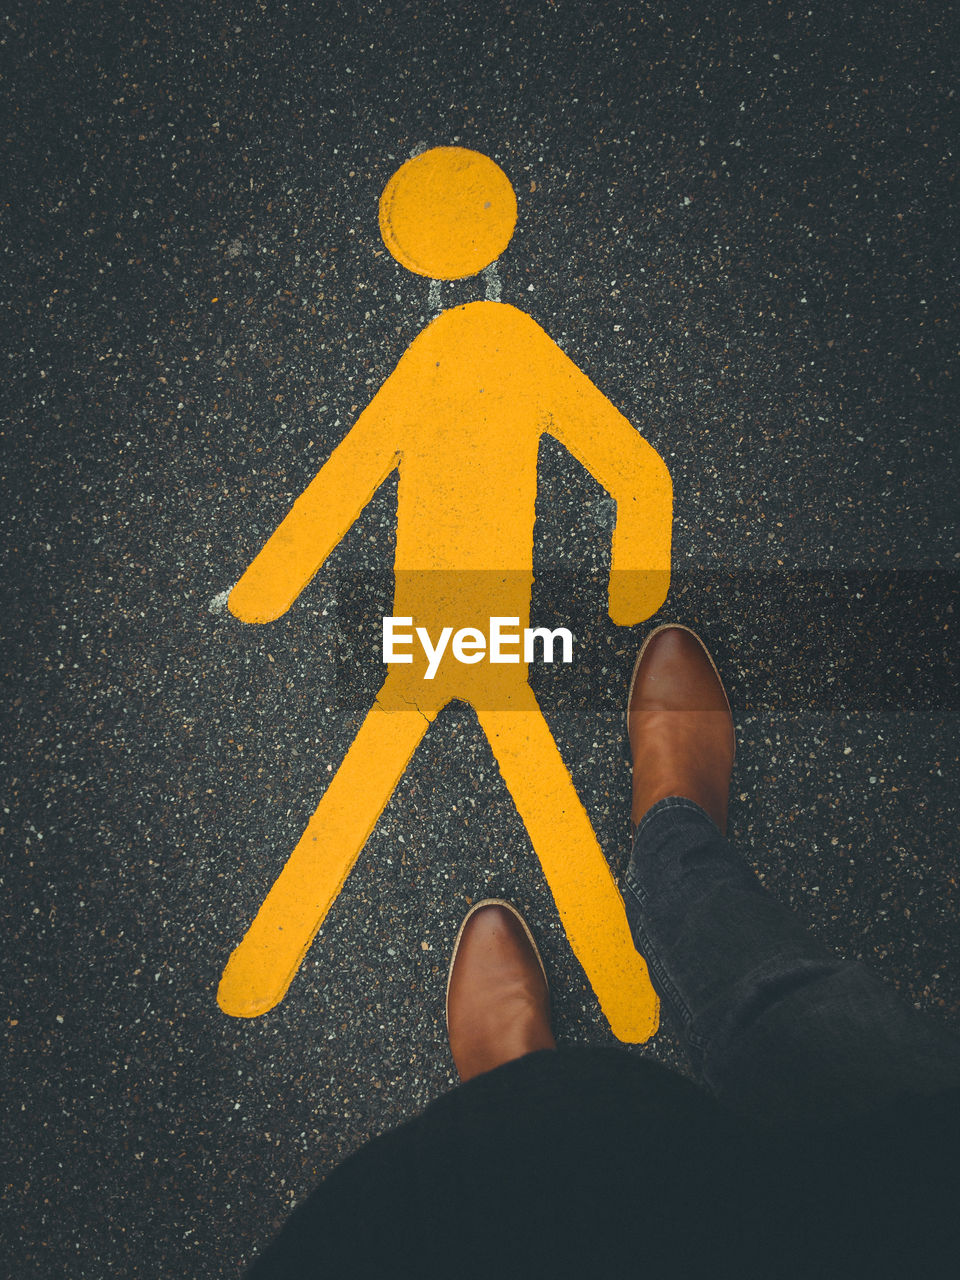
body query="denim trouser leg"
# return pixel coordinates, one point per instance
(776, 1025)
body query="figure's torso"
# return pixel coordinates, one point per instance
(473, 388)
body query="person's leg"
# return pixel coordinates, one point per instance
(776, 1025)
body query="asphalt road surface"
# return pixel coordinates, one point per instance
(742, 228)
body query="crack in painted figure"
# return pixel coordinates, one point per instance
(460, 419)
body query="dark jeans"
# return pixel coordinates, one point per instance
(599, 1162)
(777, 1026)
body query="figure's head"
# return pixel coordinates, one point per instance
(448, 213)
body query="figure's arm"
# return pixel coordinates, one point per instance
(636, 477)
(321, 515)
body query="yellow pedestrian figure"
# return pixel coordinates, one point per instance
(460, 418)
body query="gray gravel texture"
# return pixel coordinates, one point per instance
(742, 226)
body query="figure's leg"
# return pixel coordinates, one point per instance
(263, 965)
(583, 887)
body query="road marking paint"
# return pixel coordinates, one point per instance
(448, 213)
(218, 603)
(460, 419)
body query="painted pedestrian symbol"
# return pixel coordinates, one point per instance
(460, 419)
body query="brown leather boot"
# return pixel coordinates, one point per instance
(498, 1002)
(679, 724)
